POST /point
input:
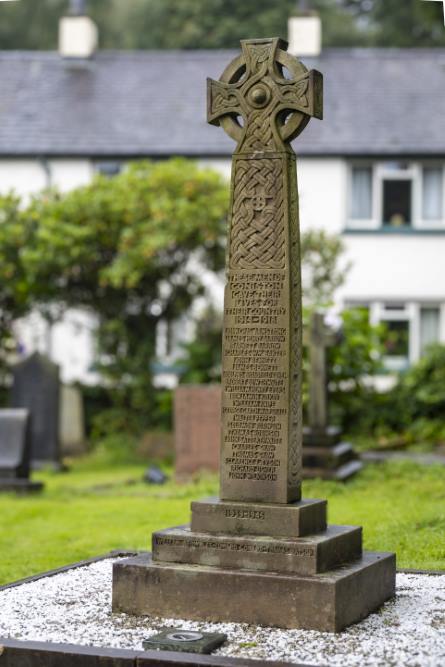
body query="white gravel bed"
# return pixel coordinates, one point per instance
(75, 608)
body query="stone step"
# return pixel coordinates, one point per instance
(297, 519)
(19, 485)
(328, 457)
(327, 438)
(340, 474)
(325, 602)
(301, 555)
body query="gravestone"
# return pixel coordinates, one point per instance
(36, 388)
(260, 554)
(72, 421)
(324, 453)
(15, 450)
(197, 416)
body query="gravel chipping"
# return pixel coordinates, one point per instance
(74, 607)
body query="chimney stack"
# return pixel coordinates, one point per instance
(78, 34)
(304, 31)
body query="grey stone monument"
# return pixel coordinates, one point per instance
(324, 453)
(36, 387)
(260, 554)
(15, 450)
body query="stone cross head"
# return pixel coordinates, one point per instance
(265, 97)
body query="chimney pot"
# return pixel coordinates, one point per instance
(78, 37)
(304, 34)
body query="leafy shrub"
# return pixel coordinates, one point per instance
(352, 363)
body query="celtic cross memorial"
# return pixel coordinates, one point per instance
(263, 111)
(260, 554)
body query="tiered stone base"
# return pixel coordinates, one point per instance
(327, 602)
(303, 575)
(327, 457)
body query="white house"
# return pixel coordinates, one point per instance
(372, 170)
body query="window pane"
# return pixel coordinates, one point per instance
(397, 340)
(108, 168)
(429, 327)
(361, 193)
(397, 203)
(432, 202)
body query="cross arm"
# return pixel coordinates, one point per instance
(304, 94)
(223, 99)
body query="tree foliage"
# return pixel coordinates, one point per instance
(322, 268)
(200, 362)
(124, 249)
(14, 286)
(198, 24)
(352, 362)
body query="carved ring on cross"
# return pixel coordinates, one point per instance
(268, 85)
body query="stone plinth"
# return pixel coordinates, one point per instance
(197, 414)
(299, 555)
(327, 456)
(327, 602)
(298, 519)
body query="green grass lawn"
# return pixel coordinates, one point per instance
(96, 508)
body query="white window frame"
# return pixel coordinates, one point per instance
(420, 222)
(411, 312)
(381, 172)
(361, 223)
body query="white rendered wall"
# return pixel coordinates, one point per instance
(395, 267)
(24, 177)
(322, 193)
(28, 177)
(69, 174)
(69, 343)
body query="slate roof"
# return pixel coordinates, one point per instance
(153, 103)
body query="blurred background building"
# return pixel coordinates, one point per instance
(372, 171)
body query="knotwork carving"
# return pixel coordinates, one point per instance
(274, 108)
(257, 236)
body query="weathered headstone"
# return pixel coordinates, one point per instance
(324, 454)
(197, 417)
(72, 421)
(36, 388)
(15, 452)
(260, 555)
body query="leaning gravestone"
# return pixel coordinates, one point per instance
(72, 421)
(260, 555)
(36, 387)
(197, 417)
(15, 450)
(324, 454)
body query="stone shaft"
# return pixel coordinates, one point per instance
(261, 384)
